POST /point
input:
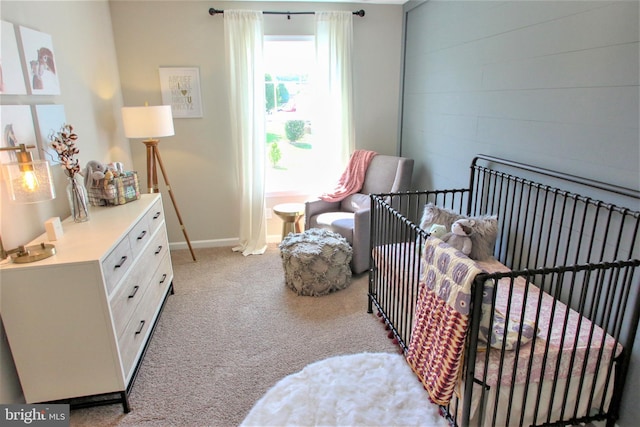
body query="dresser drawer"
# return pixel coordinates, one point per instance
(139, 235)
(134, 335)
(131, 291)
(161, 279)
(155, 216)
(159, 246)
(116, 264)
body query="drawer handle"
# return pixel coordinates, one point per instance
(135, 290)
(122, 260)
(142, 322)
(141, 236)
(158, 250)
(157, 215)
(164, 277)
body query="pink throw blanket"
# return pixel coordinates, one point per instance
(352, 178)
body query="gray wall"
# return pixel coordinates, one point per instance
(551, 83)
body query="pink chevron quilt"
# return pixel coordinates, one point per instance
(442, 318)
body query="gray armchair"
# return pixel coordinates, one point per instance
(350, 217)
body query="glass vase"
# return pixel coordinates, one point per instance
(78, 200)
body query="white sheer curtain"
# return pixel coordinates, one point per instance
(243, 30)
(334, 80)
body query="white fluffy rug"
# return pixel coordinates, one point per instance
(365, 389)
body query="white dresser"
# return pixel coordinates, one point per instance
(78, 323)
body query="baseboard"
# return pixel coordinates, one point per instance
(217, 243)
(202, 244)
(274, 238)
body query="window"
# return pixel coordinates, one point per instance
(289, 64)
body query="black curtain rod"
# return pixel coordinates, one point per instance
(214, 11)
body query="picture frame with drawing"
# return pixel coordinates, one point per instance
(49, 120)
(180, 87)
(39, 62)
(16, 122)
(11, 77)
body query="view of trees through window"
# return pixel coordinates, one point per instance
(289, 138)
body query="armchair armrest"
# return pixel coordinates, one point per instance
(318, 206)
(362, 222)
(361, 240)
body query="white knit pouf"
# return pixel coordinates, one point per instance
(316, 262)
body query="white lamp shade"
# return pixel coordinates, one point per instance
(148, 121)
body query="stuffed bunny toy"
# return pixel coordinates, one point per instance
(93, 172)
(458, 237)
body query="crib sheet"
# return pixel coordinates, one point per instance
(394, 262)
(565, 337)
(580, 343)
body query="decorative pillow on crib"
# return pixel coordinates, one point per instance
(483, 236)
(500, 330)
(433, 214)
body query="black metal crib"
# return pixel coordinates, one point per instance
(556, 236)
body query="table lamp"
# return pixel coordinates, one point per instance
(28, 181)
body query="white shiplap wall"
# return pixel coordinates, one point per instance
(553, 83)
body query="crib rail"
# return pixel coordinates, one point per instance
(394, 219)
(541, 225)
(581, 251)
(608, 302)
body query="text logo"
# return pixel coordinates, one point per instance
(40, 415)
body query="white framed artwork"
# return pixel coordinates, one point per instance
(17, 128)
(50, 119)
(180, 88)
(40, 62)
(11, 76)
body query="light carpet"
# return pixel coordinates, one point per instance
(366, 389)
(232, 331)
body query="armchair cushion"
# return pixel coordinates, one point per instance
(316, 207)
(387, 174)
(355, 202)
(338, 222)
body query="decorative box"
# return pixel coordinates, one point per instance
(116, 191)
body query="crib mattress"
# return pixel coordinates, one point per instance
(569, 347)
(567, 343)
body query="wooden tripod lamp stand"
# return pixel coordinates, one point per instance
(151, 122)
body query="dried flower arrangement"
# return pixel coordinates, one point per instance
(64, 142)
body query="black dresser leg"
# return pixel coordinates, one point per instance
(125, 402)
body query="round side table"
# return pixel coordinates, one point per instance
(291, 214)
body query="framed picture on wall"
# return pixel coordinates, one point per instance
(50, 119)
(180, 88)
(11, 77)
(39, 62)
(17, 128)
